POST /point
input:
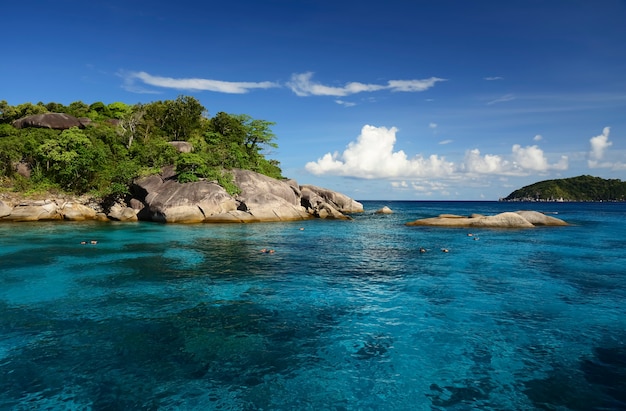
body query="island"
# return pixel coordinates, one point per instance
(581, 188)
(165, 161)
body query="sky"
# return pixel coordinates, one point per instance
(380, 100)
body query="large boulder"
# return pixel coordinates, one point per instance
(520, 219)
(57, 121)
(167, 200)
(339, 201)
(34, 211)
(77, 212)
(537, 218)
(263, 198)
(5, 209)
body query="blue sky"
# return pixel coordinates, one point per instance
(393, 100)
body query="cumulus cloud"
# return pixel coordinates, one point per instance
(303, 85)
(474, 163)
(372, 156)
(538, 137)
(194, 84)
(599, 150)
(532, 158)
(599, 145)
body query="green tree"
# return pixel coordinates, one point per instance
(71, 160)
(177, 119)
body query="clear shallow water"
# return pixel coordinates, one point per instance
(346, 315)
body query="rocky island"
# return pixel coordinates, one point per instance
(518, 219)
(164, 161)
(581, 188)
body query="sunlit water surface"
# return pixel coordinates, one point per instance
(345, 315)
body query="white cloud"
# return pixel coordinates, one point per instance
(197, 84)
(302, 85)
(505, 98)
(345, 103)
(444, 142)
(432, 125)
(532, 158)
(474, 163)
(494, 78)
(599, 148)
(599, 145)
(538, 137)
(371, 156)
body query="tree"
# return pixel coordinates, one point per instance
(177, 119)
(71, 159)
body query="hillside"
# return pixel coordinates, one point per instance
(100, 149)
(581, 188)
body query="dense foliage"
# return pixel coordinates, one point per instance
(122, 142)
(582, 188)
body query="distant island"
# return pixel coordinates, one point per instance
(581, 188)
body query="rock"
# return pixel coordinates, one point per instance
(5, 209)
(172, 202)
(24, 169)
(268, 199)
(34, 211)
(537, 218)
(163, 199)
(57, 121)
(502, 220)
(77, 212)
(339, 201)
(182, 146)
(384, 210)
(120, 212)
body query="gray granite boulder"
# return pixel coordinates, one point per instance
(263, 198)
(57, 121)
(5, 209)
(77, 212)
(384, 210)
(502, 220)
(34, 211)
(324, 203)
(167, 200)
(536, 218)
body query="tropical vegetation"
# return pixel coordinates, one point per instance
(122, 142)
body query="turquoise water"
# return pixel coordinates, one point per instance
(345, 315)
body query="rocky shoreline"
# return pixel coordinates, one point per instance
(160, 198)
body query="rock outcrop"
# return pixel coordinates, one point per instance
(519, 219)
(384, 210)
(161, 198)
(57, 121)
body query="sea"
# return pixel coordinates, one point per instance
(342, 315)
